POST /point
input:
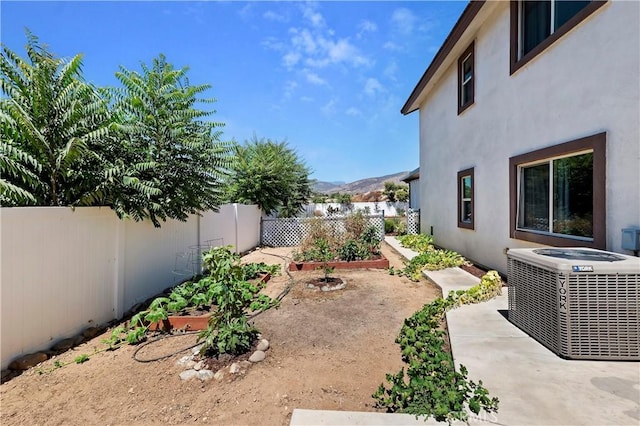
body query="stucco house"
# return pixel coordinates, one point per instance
(413, 180)
(530, 128)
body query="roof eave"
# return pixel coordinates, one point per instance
(459, 28)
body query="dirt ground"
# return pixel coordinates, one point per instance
(328, 350)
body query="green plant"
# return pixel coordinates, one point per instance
(81, 359)
(433, 259)
(401, 228)
(229, 330)
(54, 127)
(159, 125)
(349, 251)
(223, 271)
(416, 242)
(389, 226)
(431, 386)
(271, 175)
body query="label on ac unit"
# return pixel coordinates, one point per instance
(582, 268)
(562, 293)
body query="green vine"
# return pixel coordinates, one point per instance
(431, 386)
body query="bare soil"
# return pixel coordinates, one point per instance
(329, 350)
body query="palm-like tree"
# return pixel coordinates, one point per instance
(180, 161)
(52, 125)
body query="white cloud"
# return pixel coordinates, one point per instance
(366, 26)
(306, 99)
(310, 13)
(303, 40)
(289, 88)
(372, 86)
(389, 45)
(403, 20)
(315, 79)
(391, 70)
(291, 59)
(354, 112)
(329, 108)
(273, 16)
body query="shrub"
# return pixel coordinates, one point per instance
(389, 226)
(432, 386)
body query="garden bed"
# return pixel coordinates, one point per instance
(191, 322)
(380, 263)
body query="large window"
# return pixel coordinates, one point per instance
(466, 79)
(465, 199)
(557, 194)
(535, 25)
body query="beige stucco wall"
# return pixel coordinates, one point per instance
(585, 83)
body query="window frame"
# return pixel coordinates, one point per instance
(469, 53)
(462, 174)
(518, 62)
(595, 143)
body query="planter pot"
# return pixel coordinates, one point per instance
(381, 263)
(190, 322)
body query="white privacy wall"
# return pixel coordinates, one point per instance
(64, 270)
(585, 83)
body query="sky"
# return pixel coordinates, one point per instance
(327, 77)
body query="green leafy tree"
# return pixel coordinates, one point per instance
(171, 162)
(396, 192)
(53, 127)
(271, 175)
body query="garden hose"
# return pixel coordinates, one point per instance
(281, 296)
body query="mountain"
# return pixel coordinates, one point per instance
(360, 186)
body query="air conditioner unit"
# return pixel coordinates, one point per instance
(580, 303)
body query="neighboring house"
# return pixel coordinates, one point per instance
(413, 180)
(529, 128)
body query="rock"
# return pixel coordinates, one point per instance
(219, 375)
(199, 366)
(91, 332)
(27, 361)
(196, 350)
(245, 364)
(235, 368)
(186, 361)
(188, 374)
(257, 356)
(205, 375)
(64, 345)
(263, 345)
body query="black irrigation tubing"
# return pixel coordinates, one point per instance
(281, 296)
(162, 337)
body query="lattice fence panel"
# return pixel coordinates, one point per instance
(413, 221)
(289, 232)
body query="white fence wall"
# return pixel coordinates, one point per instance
(389, 209)
(63, 270)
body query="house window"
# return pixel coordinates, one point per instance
(558, 194)
(465, 199)
(535, 25)
(466, 79)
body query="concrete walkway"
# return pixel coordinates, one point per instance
(535, 387)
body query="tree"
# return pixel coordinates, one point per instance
(170, 159)
(53, 127)
(396, 192)
(271, 175)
